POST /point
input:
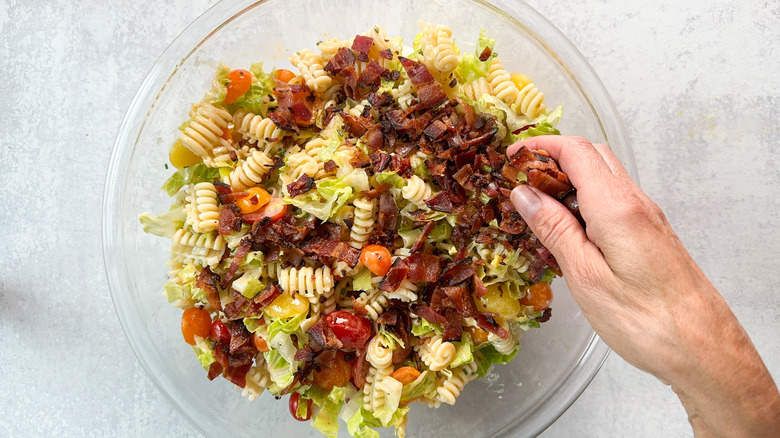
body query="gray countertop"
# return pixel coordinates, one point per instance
(697, 84)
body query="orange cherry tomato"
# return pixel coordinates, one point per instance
(339, 374)
(406, 375)
(284, 75)
(274, 209)
(539, 296)
(257, 198)
(376, 258)
(240, 81)
(195, 321)
(260, 343)
(227, 135)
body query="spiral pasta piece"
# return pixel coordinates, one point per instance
(203, 134)
(503, 346)
(451, 387)
(475, 89)
(416, 191)
(374, 397)
(438, 52)
(309, 282)
(378, 354)
(436, 353)
(531, 101)
(501, 83)
(257, 379)
(311, 66)
(256, 129)
(329, 48)
(375, 303)
(203, 208)
(363, 222)
(251, 171)
(203, 249)
(406, 291)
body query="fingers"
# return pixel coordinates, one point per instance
(612, 161)
(559, 232)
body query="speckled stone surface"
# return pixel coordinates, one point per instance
(697, 83)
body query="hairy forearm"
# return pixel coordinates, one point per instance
(723, 383)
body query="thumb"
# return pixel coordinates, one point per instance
(558, 230)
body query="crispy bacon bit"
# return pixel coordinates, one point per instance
(453, 329)
(478, 286)
(371, 75)
(485, 55)
(240, 338)
(344, 58)
(463, 177)
(423, 267)
(388, 213)
(420, 242)
(330, 166)
(300, 186)
(428, 313)
(440, 202)
(360, 369)
(238, 257)
(231, 197)
(462, 300)
(546, 255)
(380, 100)
(489, 324)
(386, 54)
(435, 130)
(229, 221)
(394, 276)
(380, 160)
(546, 315)
(542, 171)
(362, 45)
(401, 166)
(374, 138)
(457, 273)
(360, 159)
(377, 191)
(429, 91)
(222, 188)
(323, 336)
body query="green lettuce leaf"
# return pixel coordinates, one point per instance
(488, 355)
(166, 224)
(483, 41)
(285, 325)
(190, 175)
(327, 419)
(362, 281)
(392, 389)
(280, 370)
(361, 424)
(185, 292)
(205, 357)
(470, 68)
(248, 285)
(463, 351)
(331, 194)
(421, 326)
(391, 178)
(258, 98)
(424, 384)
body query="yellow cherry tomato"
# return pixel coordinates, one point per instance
(520, 80)
(286, 306)
(498, 300)
(257, 198)
(182, 157)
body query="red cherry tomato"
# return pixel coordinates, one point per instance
(274, 209)
(240, 81)
(294, 399)
(377, 259)
(539, 296)
(219, 332)
(195, 321)
(353, 331)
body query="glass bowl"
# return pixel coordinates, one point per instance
(555, 363)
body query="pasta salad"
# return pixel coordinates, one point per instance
(343, 234)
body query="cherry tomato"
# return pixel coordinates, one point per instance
(539, 296)
(406, 375)
(182, 157)
(376, 258)
(284, 75)
(478, 336)
(257, 198)
(294, 399)
(227, 135)
(274, 209)
(520, 80)
(219, 332)
(195, 321)
(259, 342)
(286, 306)
(352, 330)
(339, 373)
(240, 81)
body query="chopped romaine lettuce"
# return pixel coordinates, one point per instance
(421, 326)
(392, 389)
(204, 353)
(488, 355)
(248, 285)
(166, 224)
(331, 194)
(390, 177)
(190, 175)
(327, 419)
(463, 351)
(280, 370)
(424, 384)
(362, 281)
(361, 424)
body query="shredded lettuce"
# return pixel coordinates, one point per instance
(186, 292)
(248, 285)
(391, 178)
(361, 424)
(548, 276)
(419, 167)
(421, 326)
(166, 224)
(483, 41)
(424, 384)
(190, 175)
(409, 235)
(252, 324)
(392, 389)
(285, 325)
(391, 340)
(544, 124)
(488, 355)
(257, 99)
(327, 419)
(463, 351)
(205, 356)
(280, 370)
(470, 68)
(362, 281)
(331, 194)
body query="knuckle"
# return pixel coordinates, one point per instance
(554, 230)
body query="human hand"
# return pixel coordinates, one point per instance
(643, 293)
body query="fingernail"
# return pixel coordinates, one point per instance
(526, 201)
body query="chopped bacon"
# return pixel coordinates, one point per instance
(388, 213)
(463, 176)
(360, 368)
(401, 166)
(231, 197)
(381, 160)
(376, 191)
(235, 308)
(371, 75)
(429, 91)
(457, 273)
(478, 286)
(374, 138)
(222, 188)
(240, 338)
(330, 166)
(300, 186)
(453, 329)
(489, 324)
(485, 55)
(435, 130)
(208, 281)
(535, 270)
(238, 257)
(423, 267)
(229, 221)
(323, 336)
(386, 54)
(428, 313)
(546, 255)
(440, 202)
(546, 315)
(344, 58)
(362, 44)
(542, 171)
(462, 300)
(357, 125)
(394, 276)
(359, 159)
(420, 242)
(380, 100)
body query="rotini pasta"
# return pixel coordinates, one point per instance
(251, 171)
(202, 208)
(436, 353)
(416, 191)
(363, 222)
(256, 129)
(451, 387)
(203, 133)
(311, 66)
